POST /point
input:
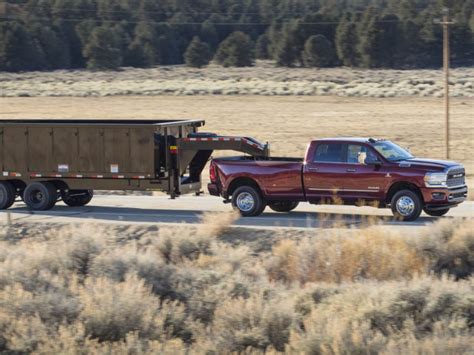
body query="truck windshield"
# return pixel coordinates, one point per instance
(391, 151)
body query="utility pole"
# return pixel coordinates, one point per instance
(445, 22)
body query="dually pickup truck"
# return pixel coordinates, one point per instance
(357, 171)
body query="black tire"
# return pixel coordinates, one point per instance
(40, 196)
(7, 195)
(283, 206)
(436, 213)
(77, 198)
(254, 201)
(406, 205)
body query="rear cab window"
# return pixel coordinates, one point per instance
(329, 153)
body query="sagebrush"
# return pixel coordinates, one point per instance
(140, 289)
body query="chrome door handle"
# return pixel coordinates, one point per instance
(351, 170)
(312, 169)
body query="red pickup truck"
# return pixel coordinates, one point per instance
(356, 171)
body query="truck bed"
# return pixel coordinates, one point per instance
(278, 177)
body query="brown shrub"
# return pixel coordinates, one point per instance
(367, 255)
(449, 246)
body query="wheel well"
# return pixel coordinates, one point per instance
(59, 184)
(402, 185)
(18, 184)
(242, 181)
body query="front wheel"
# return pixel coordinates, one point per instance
(283, 206)
(406, 205)
(436, 213)
(77, 198)
(247, 200)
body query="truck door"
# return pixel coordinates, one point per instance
(324, 172)
(363, 181)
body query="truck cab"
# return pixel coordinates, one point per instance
(356, 171)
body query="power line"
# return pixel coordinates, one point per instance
(65, 19)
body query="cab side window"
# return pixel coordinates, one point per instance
(329, 152)
(356, 154)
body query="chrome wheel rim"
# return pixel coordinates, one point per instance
(405, 206)
(245, 202)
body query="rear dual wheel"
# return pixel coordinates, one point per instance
(283, 206)
(248, 201)
(436, 213)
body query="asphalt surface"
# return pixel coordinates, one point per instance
(189, 209)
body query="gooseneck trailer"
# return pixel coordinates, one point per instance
(43, 161)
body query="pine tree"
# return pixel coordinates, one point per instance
(262, 50)
(142, 51)
(369, 39)
(285, 53)
(346, 42)
(319, 52)
(236, 51)
(197, 54)
(103, 49)
(52, 45)
(18, 50)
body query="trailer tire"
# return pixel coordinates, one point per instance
(40, 196)
(77, 198)
(248, 201)
(7, 194)
(406, 205)
(283, 206)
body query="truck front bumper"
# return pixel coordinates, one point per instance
(443, 198)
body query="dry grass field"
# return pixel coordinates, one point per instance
(211, 290)
(262, 79)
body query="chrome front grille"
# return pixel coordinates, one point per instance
(456, 177)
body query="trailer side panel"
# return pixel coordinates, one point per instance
(15, 149)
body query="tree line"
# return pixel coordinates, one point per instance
(107, 34)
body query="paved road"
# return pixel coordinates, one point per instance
(189, 209)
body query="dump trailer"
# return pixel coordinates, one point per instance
(43, 161)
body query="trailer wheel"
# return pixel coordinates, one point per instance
(406, 205)
(7, 194)
(247, 200)
(40, 196)
(77, 198)
(283, 206)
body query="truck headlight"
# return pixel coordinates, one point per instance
(436, 179)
